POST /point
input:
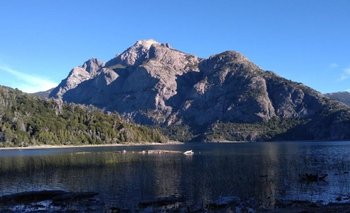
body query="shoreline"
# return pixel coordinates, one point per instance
(147, 144)
(89, 145)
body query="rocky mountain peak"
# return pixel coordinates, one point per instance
(92, 65)
(145, 44)
(228, 60)
(77, 75)
(231, 57)
(135, 55)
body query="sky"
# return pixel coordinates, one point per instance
(304, 41)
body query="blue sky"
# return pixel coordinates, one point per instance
(304, 41)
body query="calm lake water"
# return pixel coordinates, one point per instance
(260, 171)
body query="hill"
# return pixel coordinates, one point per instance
(27, 120)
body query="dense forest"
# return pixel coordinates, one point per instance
(26, 120)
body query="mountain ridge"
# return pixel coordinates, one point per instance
(343, 97)
(152, 83)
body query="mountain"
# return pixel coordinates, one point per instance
(223, 97)
(28, 120)
(76, 76)
(343, 97)
(43, 94)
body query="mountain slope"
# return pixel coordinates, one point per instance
(27, 120)
(343, 97)
(43, 94)
(152, 83)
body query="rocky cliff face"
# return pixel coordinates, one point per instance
(152, 83)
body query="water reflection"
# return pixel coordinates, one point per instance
(263, 171)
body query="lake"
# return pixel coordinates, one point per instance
(263, 172)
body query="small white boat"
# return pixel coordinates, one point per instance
(189, 152)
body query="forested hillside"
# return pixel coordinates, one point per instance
(26, 120)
